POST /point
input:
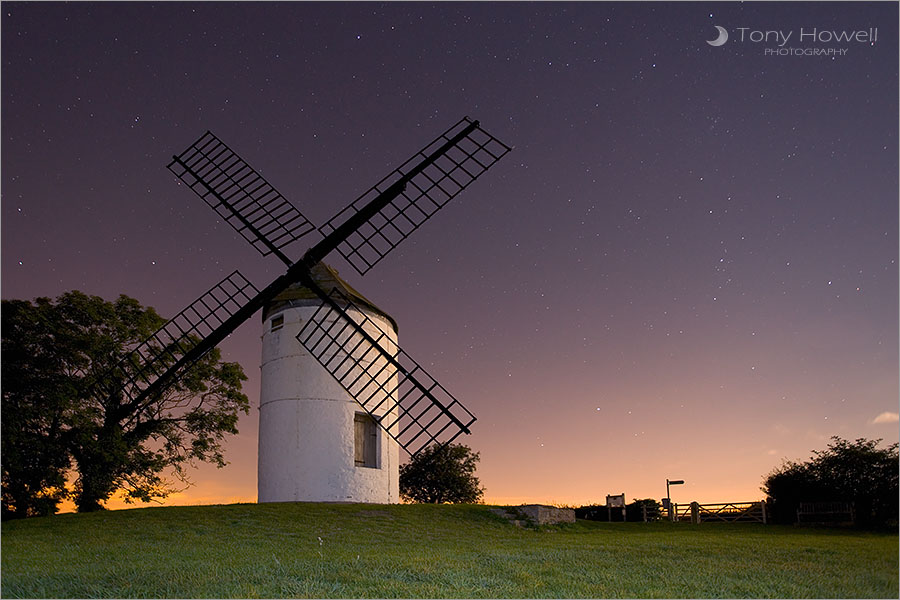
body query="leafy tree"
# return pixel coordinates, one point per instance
(857, 472)
(36, 394)
(442, 474)
(62, 348)
(787, 486)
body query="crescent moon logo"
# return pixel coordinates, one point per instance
(723, 37)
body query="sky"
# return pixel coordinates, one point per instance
(686, 268)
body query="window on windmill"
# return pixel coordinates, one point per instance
(277, 323)
(365, 441)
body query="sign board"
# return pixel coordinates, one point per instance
(615, 501)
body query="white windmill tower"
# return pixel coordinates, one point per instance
(316, 443)
(337, 406)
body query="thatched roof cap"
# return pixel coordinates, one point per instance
(327, 277)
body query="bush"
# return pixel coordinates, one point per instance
(442, 474)
(633, 512)
(591, 512)
(857, 472)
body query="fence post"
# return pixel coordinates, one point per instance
(695, 513)
(763, 505)
(644, 512)
(673, 511)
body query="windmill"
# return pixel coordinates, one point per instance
(347, 336)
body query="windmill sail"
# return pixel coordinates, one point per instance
(240, 195)
(158, 360)
(409, 404)
(429, 180)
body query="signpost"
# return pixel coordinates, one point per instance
(667, 501)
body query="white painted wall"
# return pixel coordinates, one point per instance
(306, 430)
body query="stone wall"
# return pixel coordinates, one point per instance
(547, 515)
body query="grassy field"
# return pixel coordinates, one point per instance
(347, 550)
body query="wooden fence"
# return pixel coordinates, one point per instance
(728, 512)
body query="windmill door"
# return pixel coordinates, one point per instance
(365, 441)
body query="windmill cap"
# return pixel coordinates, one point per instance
(328, 279)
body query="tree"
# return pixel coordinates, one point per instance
(35, 397)
(441, 474)
(786, 487)
(61, 348)
(857, 472)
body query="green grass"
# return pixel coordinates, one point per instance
(353, 550)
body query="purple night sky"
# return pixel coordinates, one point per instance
(686, 268)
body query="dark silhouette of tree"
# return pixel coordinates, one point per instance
(789, 485)
(442, 474)
(857, 472)
(60, 349)
(36, 396)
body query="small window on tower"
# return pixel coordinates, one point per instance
(277, 322)
(366, 441)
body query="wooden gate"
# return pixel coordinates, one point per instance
(733, 512)
(728, 512)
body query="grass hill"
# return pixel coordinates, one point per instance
(355, 550)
